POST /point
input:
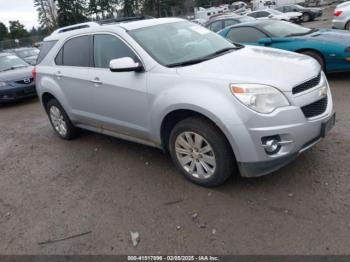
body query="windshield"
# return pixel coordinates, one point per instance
(11, 62)
(28, 52)
(283, 29)
(180, 42)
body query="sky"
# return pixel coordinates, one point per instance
(22, 10)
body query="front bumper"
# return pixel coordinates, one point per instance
(10, 94)
(291, 125)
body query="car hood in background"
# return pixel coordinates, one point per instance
(16, 74)
(331, 35)
(281, 69)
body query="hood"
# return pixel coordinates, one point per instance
(16, 74)
(332, 35)
(281, 69)
(293, 14)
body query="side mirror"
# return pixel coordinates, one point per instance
(125, 64)
(265, 41)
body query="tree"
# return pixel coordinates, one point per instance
(3, 31)
(47, 13)
(71, 12)
(17, 30)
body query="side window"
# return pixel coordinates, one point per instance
(229, 22)
(255, 15)
(216, 26)
(263, 14)
(44, 50)
(245, 35)
(76, 52)
(109, 47)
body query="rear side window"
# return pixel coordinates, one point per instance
(76, 52)
(216, 26)
(44, 50)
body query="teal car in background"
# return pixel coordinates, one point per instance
(331, 48)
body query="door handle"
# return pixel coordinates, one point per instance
(58, 75)
(96, 81)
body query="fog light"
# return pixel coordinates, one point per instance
(271, 144)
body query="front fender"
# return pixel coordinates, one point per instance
(214, 102)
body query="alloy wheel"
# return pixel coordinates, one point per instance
(58, 121)
(195, 155)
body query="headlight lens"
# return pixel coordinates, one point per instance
(2, 84)
(260, 98)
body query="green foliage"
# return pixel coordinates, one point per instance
(17, 30)
(3, 31)
(47, 14)
(71, 12)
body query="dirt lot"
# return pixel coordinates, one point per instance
(52, 189)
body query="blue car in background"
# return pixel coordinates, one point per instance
(331, 48)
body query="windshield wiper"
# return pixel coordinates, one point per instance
(13, 68)
(205, 58)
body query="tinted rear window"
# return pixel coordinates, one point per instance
(44, 50)
(76, 52)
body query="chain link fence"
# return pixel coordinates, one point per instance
(22, 42)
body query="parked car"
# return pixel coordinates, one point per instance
(216, 107)
(342, 16)
(239, 8)
(28, 54)
(331, 48)
(277, 15)
(220, 22)
(308, 13)
(16, 81)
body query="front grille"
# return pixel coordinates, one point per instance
(307, 85)
(316, 108)
(22, 82)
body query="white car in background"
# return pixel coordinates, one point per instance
(275, 14)
(342, 16)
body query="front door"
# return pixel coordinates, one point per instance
(120, 98)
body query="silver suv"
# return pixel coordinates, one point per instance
(217, 108)
(342, 16)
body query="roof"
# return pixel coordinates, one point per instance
(92, 26)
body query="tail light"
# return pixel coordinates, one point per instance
(338, 13)
(34, 73)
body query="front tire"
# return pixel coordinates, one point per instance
(201, 152)
(306, 17)
(60, 121)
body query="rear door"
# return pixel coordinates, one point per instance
(72, 75)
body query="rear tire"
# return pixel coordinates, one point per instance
(60, 121)
(201, 152)
(347, 26)
(316, 56)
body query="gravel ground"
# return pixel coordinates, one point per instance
(104, 188)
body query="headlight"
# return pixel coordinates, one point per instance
(2, 84)
(260, 98)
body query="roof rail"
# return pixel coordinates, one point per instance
(124, 19)
(75, 27)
